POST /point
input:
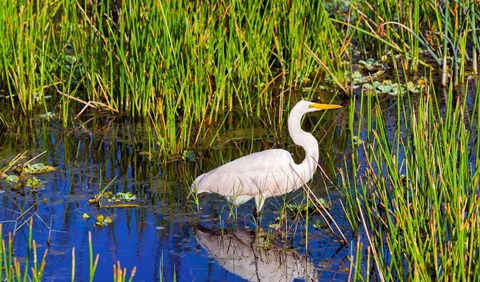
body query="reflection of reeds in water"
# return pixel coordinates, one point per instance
(243, 253)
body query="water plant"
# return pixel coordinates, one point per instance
(412, 195)
(33, 266)
(179, 63)
(427, 33)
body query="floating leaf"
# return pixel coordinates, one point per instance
(358, 77)
(12, 178)
(85, 216)
(34, 183)
(103, 220)
(385, 88)
(371, 64)
(368, 87)
(107, 220)
(414, 88)
(38, 168)
(126, 196)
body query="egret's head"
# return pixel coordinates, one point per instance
(301, 108)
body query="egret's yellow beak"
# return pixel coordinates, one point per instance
(324, 106)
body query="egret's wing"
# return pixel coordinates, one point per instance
(249, 175)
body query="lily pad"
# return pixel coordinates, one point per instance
(38, 168)
(34, 183)
(371, 64)
(103, 220)
(125, 196)
(12, 178)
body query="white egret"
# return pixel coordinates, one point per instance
(268, 173)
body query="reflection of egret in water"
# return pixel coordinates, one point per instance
(242, 253)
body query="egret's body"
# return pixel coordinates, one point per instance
(268, 173)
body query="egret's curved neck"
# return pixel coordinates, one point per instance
(305, 140)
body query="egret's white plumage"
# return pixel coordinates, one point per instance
(268, 173)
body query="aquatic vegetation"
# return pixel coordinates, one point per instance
(449, 39)
(102, 220)
(120, 275)
(34, 266)
(392, 88)
(303, 208)
(192, 72)
(412, 194)
(22, 175)
(10, 265)
(168, 62)
(317, 224)
(188, 155)
(34, 183)
(12, 178)
(372, 65)
(108, 199)
(38, 168)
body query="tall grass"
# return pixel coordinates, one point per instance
(174, 62)
(413, 195)
(26, 52)
(432, 33)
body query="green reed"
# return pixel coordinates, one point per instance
(11, 267)
(413, 196)
(25, 52)
(33, 266)
(444, 31)
(174, 63)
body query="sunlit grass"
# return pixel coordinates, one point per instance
(439, 35)
(178, 64)
(412, 195)
(184, 65)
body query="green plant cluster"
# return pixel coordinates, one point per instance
(174, 62)
(413, 194)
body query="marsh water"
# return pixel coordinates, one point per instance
(165, 235)
(161, 231)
